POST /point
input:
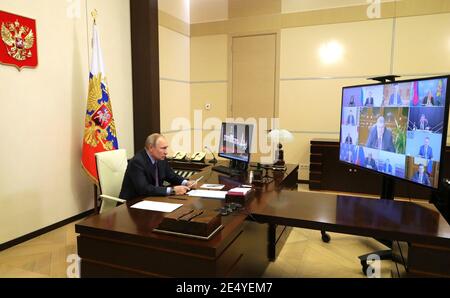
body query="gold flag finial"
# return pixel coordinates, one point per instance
(94, 15)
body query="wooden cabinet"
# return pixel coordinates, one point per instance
(328, 173)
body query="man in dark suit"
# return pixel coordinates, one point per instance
(370, 162)
(388, 167)
(395, 98)
(348, 139)
(380, 137)
(428, 100)
(350, 118)
(369, 100)
(420, 176)
(147, 171)
(423, 122)
(425, 150)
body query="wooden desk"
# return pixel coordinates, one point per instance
(426, 231)
(121, 242)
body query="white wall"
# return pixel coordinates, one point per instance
(42, 114)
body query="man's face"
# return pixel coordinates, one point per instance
(380, 125)
(427, 141)
(159, 151)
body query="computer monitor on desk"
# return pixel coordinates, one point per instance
(235, 144)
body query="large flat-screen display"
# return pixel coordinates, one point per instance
(235, 141)
(398, 129)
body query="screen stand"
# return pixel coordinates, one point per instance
(387, 188)
(387, 193)
(238, 165)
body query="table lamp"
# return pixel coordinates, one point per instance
(280, 135)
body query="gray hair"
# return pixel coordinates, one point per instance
(152, 139)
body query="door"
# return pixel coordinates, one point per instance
(253, 86)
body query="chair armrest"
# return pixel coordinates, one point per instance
(112, 198)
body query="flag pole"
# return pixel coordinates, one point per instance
(94, 14)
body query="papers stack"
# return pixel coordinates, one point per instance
(239, 191)
(213, 186)
(156, 206)
(216, 194)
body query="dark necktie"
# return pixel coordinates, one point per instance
(156, 174)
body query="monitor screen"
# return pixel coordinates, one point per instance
(397, 129)
(235, 141)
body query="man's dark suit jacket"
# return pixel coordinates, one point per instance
(425, 179)
(429, 152)
(369, 101)
(139, 180)
(387, 142)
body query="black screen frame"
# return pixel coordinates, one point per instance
(444, 130)
(250, 139)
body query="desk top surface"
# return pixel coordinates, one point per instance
(395, 220)
(353, 215)
(135, 225)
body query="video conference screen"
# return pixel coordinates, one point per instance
(396, 128)
(235, 141)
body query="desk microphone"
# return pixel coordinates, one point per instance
(214, 160)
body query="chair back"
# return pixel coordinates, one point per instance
(111, 167)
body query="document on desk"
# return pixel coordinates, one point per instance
(212, 186)
(156, 206)
(215, 194)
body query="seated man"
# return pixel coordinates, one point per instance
(348, 139)
(350, 118)
(369, 100)
(423, 122)
(420, 176)
(425, 150)
(388, 167)
(147, 170)
(380, 137)
(370, 162)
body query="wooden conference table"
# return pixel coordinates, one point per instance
(121, 242)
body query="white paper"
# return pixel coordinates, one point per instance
(156, 206)
(213, 186)
(217, 194)
(240, 189)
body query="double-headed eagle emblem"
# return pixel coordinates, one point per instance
(99, 122)
(19, 40)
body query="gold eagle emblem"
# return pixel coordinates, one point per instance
(19, 40)
(94, 133)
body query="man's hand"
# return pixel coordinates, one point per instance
(180, 189)
(191, 184)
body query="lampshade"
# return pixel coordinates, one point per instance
(281, 135)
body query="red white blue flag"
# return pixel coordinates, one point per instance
(99, 128)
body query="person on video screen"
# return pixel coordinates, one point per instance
(428, 100)
(425, 150)
(352, 101)
(369, 100)
(380, 137)
(395, 98)
(350, 118)
(420, 176)
(423, 122)
(349, 156)
(348, 140)
(387, 167)
(370, 162)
